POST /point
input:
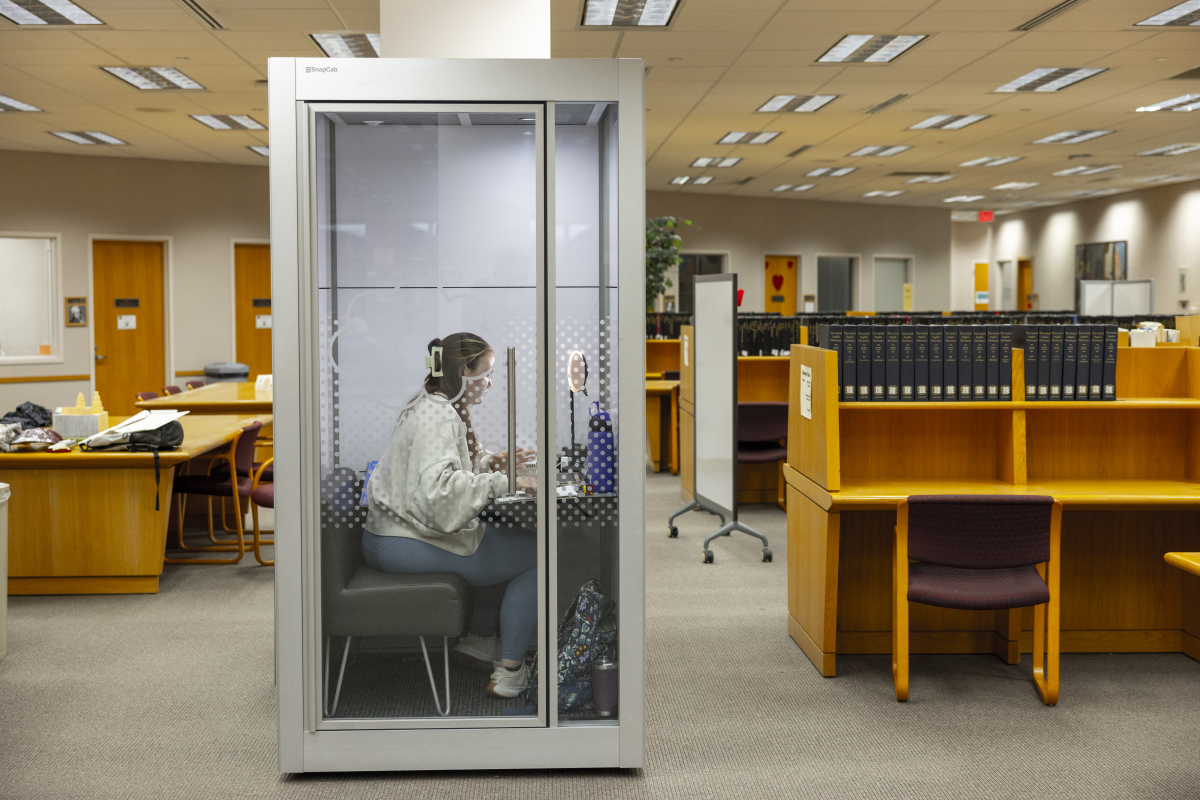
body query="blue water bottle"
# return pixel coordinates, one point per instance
(601, 457)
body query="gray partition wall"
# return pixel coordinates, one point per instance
(412, 200)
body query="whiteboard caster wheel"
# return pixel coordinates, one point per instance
(726, 533)
(672, 532)
(767, 555)
(708, 556)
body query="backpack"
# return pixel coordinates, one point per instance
(587, 634)
(165, 437)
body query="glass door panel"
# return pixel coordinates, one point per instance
(429, 246)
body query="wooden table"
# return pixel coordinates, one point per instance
(655, 392)
(1189, 562)
(85, 523)
(216, 398)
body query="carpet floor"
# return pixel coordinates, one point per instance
(171, 696)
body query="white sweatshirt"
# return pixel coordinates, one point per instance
(425, 486)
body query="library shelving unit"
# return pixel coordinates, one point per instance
(1127, 472)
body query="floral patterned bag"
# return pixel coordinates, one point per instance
(588, 633)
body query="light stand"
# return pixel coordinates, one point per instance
(577, 375)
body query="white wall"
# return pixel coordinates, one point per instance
(202, 207)
(750, 228)
(1161, 225)
(970, 243)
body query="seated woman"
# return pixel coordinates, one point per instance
(426, 494)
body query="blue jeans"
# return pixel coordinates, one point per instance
(504, 554)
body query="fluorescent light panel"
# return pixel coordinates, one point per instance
(880, 150)
(703, 179)
(262, 150)
(1186, 102)
(46, 12)
(1086, 170)
(804, 187)
(1093, 192)
(1071, 137)
(1049, 79)
(748, 137)
(11, 104)
(1172, 150)
(964, 198)
(832, 172)
(990, 161)
(648, 13)
(948, 122)
(1183, 14)
(1013, 186)
(782, 188)
(805, 104)
(715, 162)
(1166, 178)
(727, 162)
(229, 122)
(881, 193)
(931, 179)
(680, 180)
(151, 78)
(87, 137)
(868, 48)
(348, 45)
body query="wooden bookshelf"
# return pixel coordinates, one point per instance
(1127, 472)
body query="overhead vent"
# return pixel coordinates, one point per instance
(799, 150)
(202, 14)
(1192, 74)
(744, 181)
(1048, 14)
(886, 103)
(914, 174)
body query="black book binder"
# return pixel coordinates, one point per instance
(1043, 375)
(1056, 361)
(908, 353)
(1006, 337)
(935, 362)
(849, 356)
(966, 340)
(893, 362)
(1109, 386)
(921, 363)
(1031, 360)
(1096, 368)
(1083, 354)
(992, 372)
(950, 361)
(979, 361)
(1070, 360)
(878, 363)
(863, 371)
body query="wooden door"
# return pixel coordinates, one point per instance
(252, 306)
(1024, 284)
(128, 283)
(782, 278)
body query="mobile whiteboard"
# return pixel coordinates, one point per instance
(715, 331)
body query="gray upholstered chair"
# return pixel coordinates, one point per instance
(357, 600)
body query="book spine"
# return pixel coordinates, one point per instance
(893, 362)
(1096, 370)
(993, 363)
(935, 362)
(921, 363)
(1006, 338)
(1056, 361)
(966, 340)
(1070, 361)
(850, 363)
(863, 370)
(1110, 363)
(878, 363)
(950, 362)
(1031, 362)
(908, 353)
(835, 344)
(1082, 360)
(1043, 376)
(979, 362)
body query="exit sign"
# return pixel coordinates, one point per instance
(985, 216)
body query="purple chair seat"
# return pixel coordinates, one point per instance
(977, 589)
(760, 452)
(211, 485)
(221, 471)
(264, 495)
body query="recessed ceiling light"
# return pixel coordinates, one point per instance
(947, 122)
(46, 12)
(830, 171)
(840, 171)
(782, 188)
(703, 179)
(9, 104)
(628, 12)
(153, 77)
(744, 137)
(1172, 150)
(931, 179)
(1071, 137)
(680, 180)
(727, 162)
(348, 45)
(806, 103)
(804, 187)
(881, 193)
(1093, 192)
(1049, 79)
(1166, 178)
(990, 161)
(229, 122)
(881, 150)
(1013, 186)
(88, 137)
(964, 198)
(703, 162)
(1186, 102)
(1183, 14)
(262, 150)
(1088, 170)
(868, 49)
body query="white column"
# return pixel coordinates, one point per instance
(464, 28)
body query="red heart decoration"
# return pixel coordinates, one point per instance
(778, 281)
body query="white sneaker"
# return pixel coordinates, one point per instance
(509, 682)
(480, 648)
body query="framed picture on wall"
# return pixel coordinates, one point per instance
(668, 304)
(1100, 261)
(77, 312)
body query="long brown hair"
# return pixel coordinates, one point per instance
(459, 352)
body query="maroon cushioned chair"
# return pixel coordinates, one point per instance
(261, 494)
(193, 384)
(140, 396)
(761, 426)
(979, 552)
(171, 390)
(238, 457)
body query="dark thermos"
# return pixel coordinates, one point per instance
(604, 688)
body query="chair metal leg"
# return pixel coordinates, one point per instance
(1046, 644)
(258, 540)
(329, 712)
(239, 547)
(429, 670)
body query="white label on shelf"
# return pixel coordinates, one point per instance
(685, 350)
(806, 392)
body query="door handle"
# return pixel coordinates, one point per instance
(100, 357)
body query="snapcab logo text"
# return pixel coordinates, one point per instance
(320, 69)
